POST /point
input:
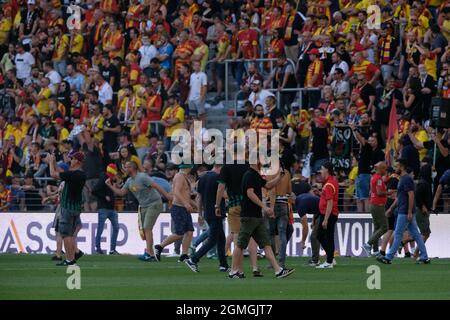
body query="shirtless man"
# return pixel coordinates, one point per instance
(182, 206)
(280, 196)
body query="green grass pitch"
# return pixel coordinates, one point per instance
(124, 277)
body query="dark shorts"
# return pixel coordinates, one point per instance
(423, 222)
(253, 228)
(68, 222)
(182, 220)
(220, 70)
(391, 222)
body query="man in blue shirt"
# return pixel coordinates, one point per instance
(206, 202)
(405, 216)
(444, 185)
(308, 203)
(165, 51)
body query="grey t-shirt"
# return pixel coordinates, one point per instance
(140, 187)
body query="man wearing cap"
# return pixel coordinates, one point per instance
(314, 77)
(71, 201)
(259, 95)
(148, 194)
(105, 204)
(378, 198)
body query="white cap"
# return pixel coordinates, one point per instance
(31, 1)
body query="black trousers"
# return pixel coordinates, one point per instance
(216, 237)
(326, 236)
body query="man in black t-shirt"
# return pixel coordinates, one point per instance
(365, 166)
(230, 179)
(71, 200)
(207, 190)
(110, 73)
(111, 129)
(252, 222)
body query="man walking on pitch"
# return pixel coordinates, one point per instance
(71, 200)
(378, 198)
(147, 193)
(230, 179)
(182, 207)
(405, 216)
(252, 222)
(207, 190)
(105, 204)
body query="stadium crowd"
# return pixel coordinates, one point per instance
(112, 80)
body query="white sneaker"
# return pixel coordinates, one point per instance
(325, 265)
(367, 248)
(334, 262)
(375, 253)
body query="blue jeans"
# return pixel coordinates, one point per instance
(216, 237)
(104, 214)
(202, 237)
(400, 225)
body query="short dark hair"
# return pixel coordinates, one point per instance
(329, 166)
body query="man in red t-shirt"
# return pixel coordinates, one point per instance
(328, 207)
(247, 41)
(378, 198)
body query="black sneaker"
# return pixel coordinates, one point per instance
(193, 266)
(423, 261)
(99, 251)
(66, 263)
(284, 273)
(237, 275)
(158, 250)
(224, 269)
(56, 258)
(114, 252)
(183, 257)
(383, 259)
(407, 254)
(78, 255)
(257, 274)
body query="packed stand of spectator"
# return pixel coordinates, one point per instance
(118, 83)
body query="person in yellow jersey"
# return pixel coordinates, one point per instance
(298, 120)
(76, 41)
(139, 133)
(61, 50)
(15, 130)
(61, 132)
(172, 119)
(96, 122)
(41, 99)
(201, 51)
(5, 28)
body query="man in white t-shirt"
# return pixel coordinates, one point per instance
(259, 95)
(147, 51)
(104, 89)
(198, 87)
(53, 75)
(24, 61)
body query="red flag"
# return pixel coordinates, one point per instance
(392, 134)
